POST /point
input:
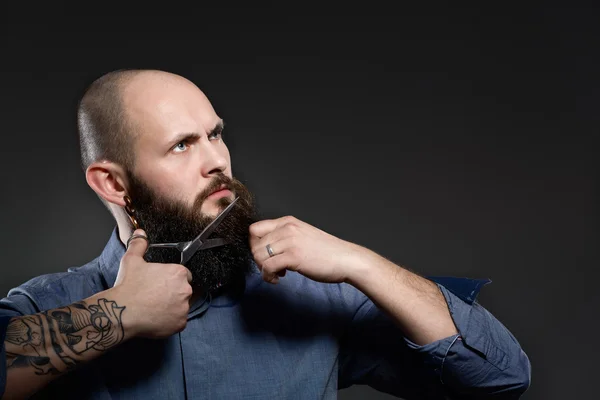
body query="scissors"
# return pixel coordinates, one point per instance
(200, 242)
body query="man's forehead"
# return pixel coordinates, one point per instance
(166, 103)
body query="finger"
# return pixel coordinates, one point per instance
(259, 244)
(189, 276)
(264, 227)
(254, 241)
(277, 240)
(276, 267)
(137, 243)
(271, 277)
(260, 251)
(279, 274)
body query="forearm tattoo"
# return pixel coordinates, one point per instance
(55, 341)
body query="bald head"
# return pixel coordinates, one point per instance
(103, 131)
(115, 107)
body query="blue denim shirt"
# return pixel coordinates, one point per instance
(299, 339)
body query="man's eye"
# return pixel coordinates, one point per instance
(179, 147)
(215, 135)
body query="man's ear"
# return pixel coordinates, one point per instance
(107, 179)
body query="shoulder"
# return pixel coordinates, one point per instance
(58, 289)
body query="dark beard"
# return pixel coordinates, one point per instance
(168, 221)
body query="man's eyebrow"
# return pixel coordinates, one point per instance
(187, 136)
(183, 137)
(218, 128)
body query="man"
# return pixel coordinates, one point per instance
(281, 310)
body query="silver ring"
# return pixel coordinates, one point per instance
(270, 250)
(135, 237)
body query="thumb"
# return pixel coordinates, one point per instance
(137, 243)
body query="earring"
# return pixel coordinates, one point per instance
(130, 212)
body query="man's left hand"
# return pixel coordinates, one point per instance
(298, 246)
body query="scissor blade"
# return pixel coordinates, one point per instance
(210, 243)
(194, 244)
(165, 245)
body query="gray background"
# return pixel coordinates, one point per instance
(453, 141)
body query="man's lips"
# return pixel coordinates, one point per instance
(221, 192)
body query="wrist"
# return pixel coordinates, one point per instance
(120, 299)
(359, 265)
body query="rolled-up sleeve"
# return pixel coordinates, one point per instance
(484, 359)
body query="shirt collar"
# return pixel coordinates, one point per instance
(110, 258)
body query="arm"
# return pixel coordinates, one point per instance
(416, 304)
(148, 300)
(41, 347)
(469, 350)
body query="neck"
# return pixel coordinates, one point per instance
(125, 231)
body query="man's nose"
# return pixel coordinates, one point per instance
(214, 161)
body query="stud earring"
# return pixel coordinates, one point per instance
(131, 212)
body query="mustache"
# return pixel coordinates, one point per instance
(219, 181)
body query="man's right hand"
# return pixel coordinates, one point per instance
(156, 296)
(147, 300)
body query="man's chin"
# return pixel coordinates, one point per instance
(211, 207)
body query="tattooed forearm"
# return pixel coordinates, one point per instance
(55, 341)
